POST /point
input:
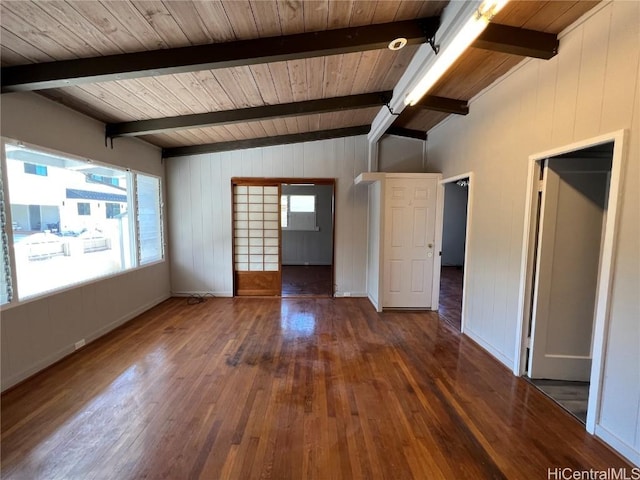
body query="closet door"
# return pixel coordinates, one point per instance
(256, 239)
(409, 241)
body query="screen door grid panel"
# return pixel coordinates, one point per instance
(256, 228)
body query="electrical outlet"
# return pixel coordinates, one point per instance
(80, 344)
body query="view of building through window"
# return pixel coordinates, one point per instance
(70, 219)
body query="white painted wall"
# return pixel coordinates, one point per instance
(590, 88)
(200, 209)
(401, 154)
(37, 333)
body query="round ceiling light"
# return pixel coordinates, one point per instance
(398, 43)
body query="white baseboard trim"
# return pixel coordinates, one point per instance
(69, 349)
(35, 368)
(619, 445)
(230, 294)
(125, 318)
(494, 353)
(374, 303)
(351, 294)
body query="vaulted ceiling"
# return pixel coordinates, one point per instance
(39, 32)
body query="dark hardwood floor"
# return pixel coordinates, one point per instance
(572, 396)
(450, 306)
(250, 388)
(307, 280)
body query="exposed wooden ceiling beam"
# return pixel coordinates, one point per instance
(264, 141)
(198, 120)
(406, 132)
(518, 41)
(66, 73)
(442, 104)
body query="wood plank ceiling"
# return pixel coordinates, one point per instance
(38, 32)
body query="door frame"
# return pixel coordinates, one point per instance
(279, 181)
(467, 236)
(605, 269)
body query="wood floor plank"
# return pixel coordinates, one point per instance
(304, 388)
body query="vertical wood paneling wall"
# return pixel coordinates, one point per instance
(590, 88)
(40, 332)
(401, 154)
(199, 206)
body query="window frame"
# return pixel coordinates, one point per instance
(136, 225)
(132, 223)
(8, 232)
(109, 207)
(84, 209)
(39, 170)
(290, 213)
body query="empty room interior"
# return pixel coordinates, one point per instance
(320, 239)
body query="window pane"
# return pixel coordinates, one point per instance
(301, 214)
(113, 210)
(84, 208)
(62, 234)
(149, 219)
(35, 169)
(302, 203)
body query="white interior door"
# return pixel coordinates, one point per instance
(409, 242)
(569, 243)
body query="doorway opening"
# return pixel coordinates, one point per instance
(571, 206)
(307, 232)
(283, 236)
(454, 237)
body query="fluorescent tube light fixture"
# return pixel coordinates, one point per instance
(465, 37)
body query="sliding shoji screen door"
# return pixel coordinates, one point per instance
(256, 237)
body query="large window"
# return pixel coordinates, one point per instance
(298, 212)
(73, 224)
